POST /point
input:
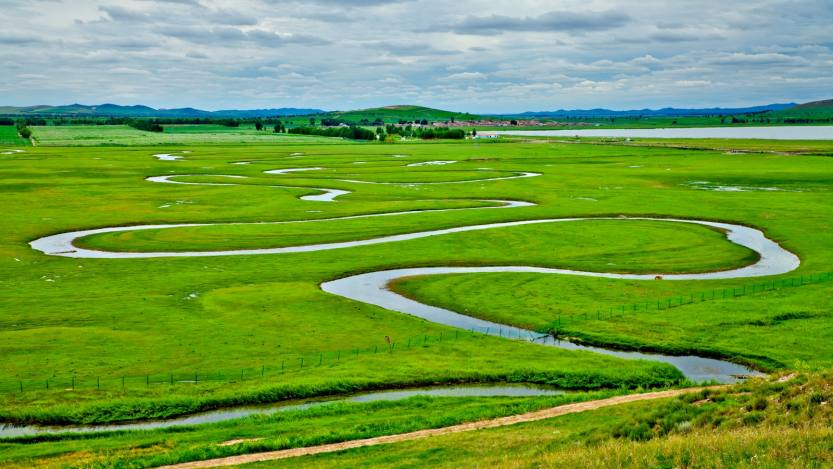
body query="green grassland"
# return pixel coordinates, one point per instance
(330, 423)
(122, 135)
(10, 137)
(775, 420)
(93, 318)
(784, 147)
(762, 424)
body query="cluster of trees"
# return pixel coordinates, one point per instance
(376, 122)
(413, 122)
(146, 125)
(27, 121)
(279, 127)
(228, 122)
(426, 133)
(352, 132)
(806, 120)
(24, 131)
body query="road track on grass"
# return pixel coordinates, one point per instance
(544, 414)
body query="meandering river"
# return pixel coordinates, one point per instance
(372, 287)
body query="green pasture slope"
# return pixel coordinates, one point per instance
(392, 114)
(83, 324)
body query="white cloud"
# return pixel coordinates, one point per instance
(467, 55)
(466, 76)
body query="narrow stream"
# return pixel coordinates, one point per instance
(475, 390)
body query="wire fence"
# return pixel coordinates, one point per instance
(313, 361)
(696, 297)
(285, 365)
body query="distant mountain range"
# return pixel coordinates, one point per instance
(115, 110)
(388, 113)
(664, 112)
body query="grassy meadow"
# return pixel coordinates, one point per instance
(123, 135)
(10, 138)
(252, 318)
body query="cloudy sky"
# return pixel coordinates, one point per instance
(479, 56)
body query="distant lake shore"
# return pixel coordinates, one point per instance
(764, 133)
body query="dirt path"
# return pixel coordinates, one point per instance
(464, 427)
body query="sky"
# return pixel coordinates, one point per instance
(463, 55)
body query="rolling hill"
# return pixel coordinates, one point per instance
(115, 110)
(825, 104)
(391, 114)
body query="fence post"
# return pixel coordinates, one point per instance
(320, 359)
(282, 364)
(122, 382)
(172, 379)
(98, 382)
(302, 362)
(73, 382)
(338, 357)
(147, 381)
(47, 384)
(21, 386)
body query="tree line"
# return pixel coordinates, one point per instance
(350, 132)
(426, 133)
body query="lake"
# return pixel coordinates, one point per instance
(820, 132)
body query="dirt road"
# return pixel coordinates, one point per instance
(464, 427)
